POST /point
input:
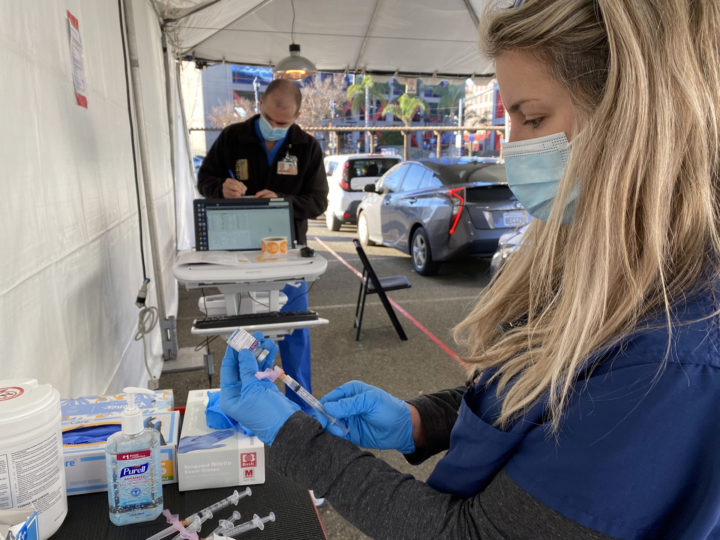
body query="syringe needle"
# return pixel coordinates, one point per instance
(311, 400)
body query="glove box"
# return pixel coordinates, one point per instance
(213, 458)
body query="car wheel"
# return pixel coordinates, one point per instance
(333, 223)
(421, 254)
(363, 232)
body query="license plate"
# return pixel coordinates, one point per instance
(514, 219)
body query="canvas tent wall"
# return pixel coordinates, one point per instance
(72, 265)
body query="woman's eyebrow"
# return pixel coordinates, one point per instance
(515, 106)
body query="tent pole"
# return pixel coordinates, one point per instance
(170, 110)
(183, 117)
(131, 38)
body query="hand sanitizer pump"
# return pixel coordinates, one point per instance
(134, 473)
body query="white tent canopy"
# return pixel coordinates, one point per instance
(423, 38)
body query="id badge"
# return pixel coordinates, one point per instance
(288, 165)
(241, 169)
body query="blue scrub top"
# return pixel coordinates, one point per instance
(638, 452)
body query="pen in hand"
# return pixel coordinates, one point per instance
(240, 192)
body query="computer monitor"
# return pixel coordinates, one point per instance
(240, 224)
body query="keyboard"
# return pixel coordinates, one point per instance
(253, 319)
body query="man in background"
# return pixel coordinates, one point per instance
(268, 156)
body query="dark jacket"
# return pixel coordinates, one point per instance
(307, 191)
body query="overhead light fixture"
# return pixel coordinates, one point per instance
(294, 67)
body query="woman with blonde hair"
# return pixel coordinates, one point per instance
(591, 411)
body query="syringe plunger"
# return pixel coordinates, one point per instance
(255, 523)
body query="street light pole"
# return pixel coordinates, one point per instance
(256, 89)
(332, 134)
(367, 117)
(459, 136)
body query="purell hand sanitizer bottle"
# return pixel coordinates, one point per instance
(134, 474)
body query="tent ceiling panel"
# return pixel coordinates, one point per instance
(210, 19)
(374, 36)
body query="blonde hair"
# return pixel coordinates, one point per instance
(645, 81)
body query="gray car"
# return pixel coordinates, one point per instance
(440, 210)
(508, 244)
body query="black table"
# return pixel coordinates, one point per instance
(295, 514)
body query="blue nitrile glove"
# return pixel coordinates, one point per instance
(214, 417)
(375, 418)
(91, 434)
(204, 442)
(256, 404)
(268, 344)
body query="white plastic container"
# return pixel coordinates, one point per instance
(31, 458)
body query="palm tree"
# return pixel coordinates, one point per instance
(405, 108)
(356, 94)
(361, 95)
(450, 97)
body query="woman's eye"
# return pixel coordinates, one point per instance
(533, 122)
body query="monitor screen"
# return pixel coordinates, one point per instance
(240, 224)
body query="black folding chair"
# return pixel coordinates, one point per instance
(371, 284)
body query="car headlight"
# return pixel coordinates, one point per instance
(506, 251)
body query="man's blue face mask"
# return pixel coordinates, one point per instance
(270, 133)
(534, 168)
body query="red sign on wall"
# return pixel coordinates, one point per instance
(76, 59)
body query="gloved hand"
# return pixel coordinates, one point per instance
(267, 344)
(375, 418)
(270, 346)
(204, 442)
(257, 405)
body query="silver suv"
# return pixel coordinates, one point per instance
(347, 175)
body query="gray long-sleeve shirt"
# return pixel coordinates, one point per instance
(385, 503)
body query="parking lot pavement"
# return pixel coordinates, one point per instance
(424, 363)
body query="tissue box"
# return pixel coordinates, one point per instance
(86, 408)
(212, 458)
(85, 462)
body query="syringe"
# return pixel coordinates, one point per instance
(308, 398)
(194, 527)
(241, 339)
(227, 501)
(174, 528)
(203, 514)
(226, 523)
(255, 523)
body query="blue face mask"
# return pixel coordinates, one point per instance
(534, 168)
(270, 133)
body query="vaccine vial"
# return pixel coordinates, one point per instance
(240, 339)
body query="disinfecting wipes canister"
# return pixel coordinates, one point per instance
(31, 459)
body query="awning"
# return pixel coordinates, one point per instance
(402, 38)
